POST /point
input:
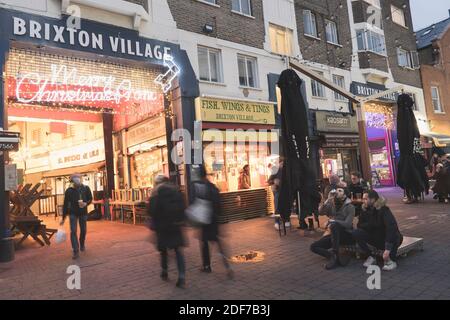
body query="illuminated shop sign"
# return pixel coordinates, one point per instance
(66, 85)
(80, 155)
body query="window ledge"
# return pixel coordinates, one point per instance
(370, 51)
(335, 44)
(440, 112)
(209, 3)
(250, 88)
(220, 84)
(320, 98)
(243, 14)
(311, 36)
(400, 25)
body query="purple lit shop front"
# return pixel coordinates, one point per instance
(382, 148)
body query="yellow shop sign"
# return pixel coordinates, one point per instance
(220, 110)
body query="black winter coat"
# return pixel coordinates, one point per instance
(381, 225)
(209, 232)
(166, 209)
(71, 197)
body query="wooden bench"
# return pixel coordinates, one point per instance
(33, 228)
(408, 244)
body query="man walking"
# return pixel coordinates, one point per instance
(76, 199)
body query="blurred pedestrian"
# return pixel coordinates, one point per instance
(166, 210)
(76, 200)
(206, 191)
(334, 181)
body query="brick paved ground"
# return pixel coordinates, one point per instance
(121, 263)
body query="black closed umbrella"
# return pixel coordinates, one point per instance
(298, 175)
(412, 176)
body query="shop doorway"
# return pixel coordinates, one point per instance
(68, 109)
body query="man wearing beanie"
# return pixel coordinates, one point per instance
(76, 199)
(339, 208)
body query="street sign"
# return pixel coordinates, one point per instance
(9, 141)
(11, 179)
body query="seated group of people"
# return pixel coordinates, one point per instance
(376, 227)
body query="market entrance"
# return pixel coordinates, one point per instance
(70, 111)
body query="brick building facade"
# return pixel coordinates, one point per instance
(434, 50)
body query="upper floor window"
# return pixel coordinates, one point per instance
(210, 64)
(309, 22)
(242, 6)
(248, 73)
(435, 98)
(408, 59)
(398, 16)
(317, 89)
(280, 40)
(340, 82)
(332, 34)
(371, 41)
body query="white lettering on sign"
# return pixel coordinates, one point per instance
(68, 86)
(78, 155)
(83, 38)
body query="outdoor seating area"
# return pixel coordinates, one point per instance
(129, 206)
(23, 220)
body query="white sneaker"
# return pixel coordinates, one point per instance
(277, 226)
(287, 224)
(369, 261)
(389, 265)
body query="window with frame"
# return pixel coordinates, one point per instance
(435, 98)
(398, 16)
(408, 59)
(280, 40)
(331, 31)
(210, 64)
(340, 82)
(317, 89)
(309, 23)
(36, 137)
(371, 41)
(242, 6)
(248, 73)
(70, 131)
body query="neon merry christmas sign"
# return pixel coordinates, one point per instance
(67, 86)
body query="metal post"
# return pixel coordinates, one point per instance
(6, 243)
(363, 143)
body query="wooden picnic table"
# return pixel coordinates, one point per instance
(22, 217)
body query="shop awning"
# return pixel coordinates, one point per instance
(93, 167)
(440, 140)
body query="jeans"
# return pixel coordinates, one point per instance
(363, 240)
(276, 196)
(206, 258)
(82, 221)
(180, 262)
(337, 237)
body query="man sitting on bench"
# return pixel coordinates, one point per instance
(377, 226)
(341, 212)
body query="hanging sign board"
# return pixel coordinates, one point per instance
(9, 141)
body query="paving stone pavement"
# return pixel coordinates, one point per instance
(122, 263)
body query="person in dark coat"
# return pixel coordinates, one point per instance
(206, 190)
(357, 186)
(442, 176)
(166, 210)
(377, 226)
(76, 200)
